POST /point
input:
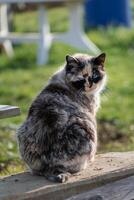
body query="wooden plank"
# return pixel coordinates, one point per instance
(119, 190)
(8, 111)
(105, 169)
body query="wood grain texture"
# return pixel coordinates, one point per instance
(107, 168)
(8, 111)
(118, 190)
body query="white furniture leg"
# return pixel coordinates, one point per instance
(44, 36)
(76, 32)
(76, 36)
(4, 29)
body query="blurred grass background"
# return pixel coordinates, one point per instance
(21, 80)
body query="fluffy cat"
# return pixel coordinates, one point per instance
(59, 136)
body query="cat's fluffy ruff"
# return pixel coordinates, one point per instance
(59, 135)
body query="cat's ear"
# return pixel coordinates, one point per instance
(70, 59)
(99, 60)
(71, 63)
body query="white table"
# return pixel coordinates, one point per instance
(74, 37)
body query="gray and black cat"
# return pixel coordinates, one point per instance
(59, 136)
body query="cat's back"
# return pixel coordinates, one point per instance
(55, 108)
(52, 99)
(51, 110)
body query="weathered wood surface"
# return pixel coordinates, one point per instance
(8, 111)
(105, 169)
(118, 190)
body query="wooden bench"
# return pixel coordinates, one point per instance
(8, 111)
(74, 37)
(111, 177)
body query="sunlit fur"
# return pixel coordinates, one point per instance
(59, 135)
(87, 70)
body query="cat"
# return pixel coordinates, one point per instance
(59, 135)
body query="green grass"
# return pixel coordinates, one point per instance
(21, 80)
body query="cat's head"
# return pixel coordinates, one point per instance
(85, 73)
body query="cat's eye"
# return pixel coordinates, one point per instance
(82, 65)
(96, 77)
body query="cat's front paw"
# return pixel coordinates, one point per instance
(62, 178)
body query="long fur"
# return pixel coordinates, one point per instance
(59, 136)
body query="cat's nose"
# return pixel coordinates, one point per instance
(89, 79)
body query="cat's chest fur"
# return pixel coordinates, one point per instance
(94, 103)
(90, 103)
